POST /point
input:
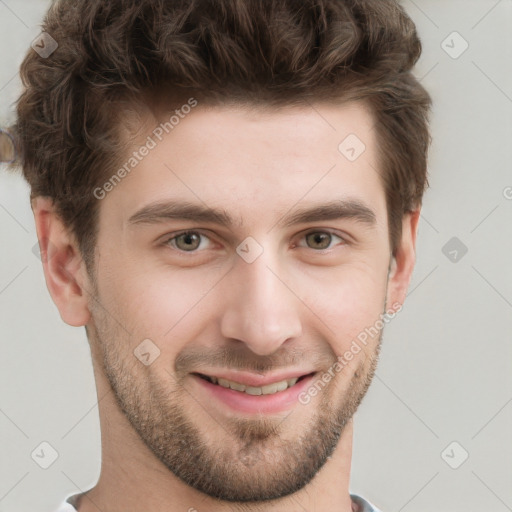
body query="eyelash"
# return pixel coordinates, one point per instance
(168, 240)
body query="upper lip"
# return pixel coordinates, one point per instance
(255, 379)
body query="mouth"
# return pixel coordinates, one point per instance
(237, 392)
(268, 389)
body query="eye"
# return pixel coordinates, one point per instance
(321, 240)
(188, 241)
(195, 241)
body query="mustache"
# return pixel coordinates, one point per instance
(242, 359)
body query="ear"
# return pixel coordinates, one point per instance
(402, 264)
(64, 269)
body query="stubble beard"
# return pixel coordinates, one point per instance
(254, 460)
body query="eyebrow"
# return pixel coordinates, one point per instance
(352, 209)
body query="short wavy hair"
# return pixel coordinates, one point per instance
(272, 52)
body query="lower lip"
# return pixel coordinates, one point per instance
(260, 404)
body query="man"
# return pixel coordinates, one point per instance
(226, 195)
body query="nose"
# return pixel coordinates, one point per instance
(262, 310)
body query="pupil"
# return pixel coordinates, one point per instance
(188, 239)
(323, 239)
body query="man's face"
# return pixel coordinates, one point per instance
(261, 300)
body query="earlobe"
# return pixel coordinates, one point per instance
(402, 264)
(63, 266)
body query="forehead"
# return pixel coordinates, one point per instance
(257, 163)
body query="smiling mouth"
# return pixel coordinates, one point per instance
(269, 389)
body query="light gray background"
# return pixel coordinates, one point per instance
(445, 371)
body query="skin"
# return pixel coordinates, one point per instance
(6, 147)
(295, 306)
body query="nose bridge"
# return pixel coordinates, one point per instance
(261, 311)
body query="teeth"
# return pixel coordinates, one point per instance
(269, 389)
(254, 391)
(236, 386)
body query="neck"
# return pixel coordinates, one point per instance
(133, 479)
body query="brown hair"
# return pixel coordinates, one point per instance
(272, 52)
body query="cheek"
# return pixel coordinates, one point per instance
(349, 303)
(156, 303)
